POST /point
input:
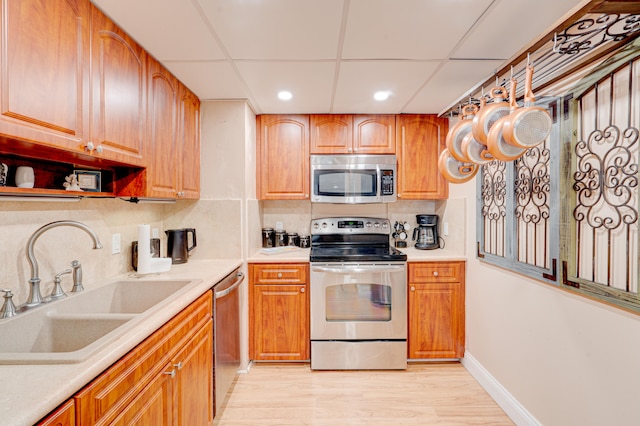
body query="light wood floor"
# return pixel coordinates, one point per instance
(424, 394)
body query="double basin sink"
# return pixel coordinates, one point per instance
(72, 329)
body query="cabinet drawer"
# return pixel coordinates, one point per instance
(436, 272)
(281, 273)
(105, 397)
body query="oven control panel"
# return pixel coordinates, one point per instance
(350, 225)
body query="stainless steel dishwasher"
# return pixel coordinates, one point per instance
(226, 336)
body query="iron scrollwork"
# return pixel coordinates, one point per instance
(494, 191)
(590, 33)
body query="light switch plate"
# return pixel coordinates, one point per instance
(115, 244)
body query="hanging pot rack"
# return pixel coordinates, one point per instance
(585, 37)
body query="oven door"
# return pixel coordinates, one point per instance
(358, 301)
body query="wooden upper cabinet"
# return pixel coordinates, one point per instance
(188, 144)
(282, 157)
(374, 134)
(162, 120)
(331, 134)
(352, 134)
(44, 74)
(420, 140)
(118, 92)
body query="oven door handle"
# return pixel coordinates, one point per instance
(359, 269)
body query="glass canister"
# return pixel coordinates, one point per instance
(268, 237)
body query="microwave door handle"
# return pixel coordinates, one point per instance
(360, 269)
(378, 183)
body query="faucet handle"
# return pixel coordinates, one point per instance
(77, 276)
(8, 308)
(58, 292)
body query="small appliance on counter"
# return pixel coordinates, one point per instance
(178, 247)
(426, 233)
(155, 251)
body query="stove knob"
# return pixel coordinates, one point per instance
(315, 225)
(324, 225)
(385, 225)
(376, 225)
(368, 224)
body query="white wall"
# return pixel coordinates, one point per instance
(566, 359)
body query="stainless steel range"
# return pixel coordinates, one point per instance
(358, 296)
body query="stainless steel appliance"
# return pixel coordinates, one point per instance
(178, 247)
(353, 179)
(426, 233)
(226, 336)
(358, 294)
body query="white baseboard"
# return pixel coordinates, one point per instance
(499, 393)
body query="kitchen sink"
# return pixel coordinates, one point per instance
(72, 329)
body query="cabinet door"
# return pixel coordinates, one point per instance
(374, 134)
(283, 157)
(279, 322)
(189, 145)
(420, 139)
(194, 379)
(62, 416)
(118, 92)
(331, 134)
(154, 404)
(436, 310)
(161, 149)
(44, 77)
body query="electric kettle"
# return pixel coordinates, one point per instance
(178, 247)
(426, 233)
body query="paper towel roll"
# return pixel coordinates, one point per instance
(144, 249)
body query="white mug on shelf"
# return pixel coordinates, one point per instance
(25, 177)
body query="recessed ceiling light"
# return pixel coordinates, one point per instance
(381, 95)
(284, 95)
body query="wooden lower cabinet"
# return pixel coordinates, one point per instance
(65, 415)
(436, 302)
(279, 312)
(166, 380)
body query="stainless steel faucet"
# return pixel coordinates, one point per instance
(35, 297)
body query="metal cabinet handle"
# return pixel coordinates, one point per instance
(302, 290)
(171, 373)
(435, 273)
(413, 288)
(178, 365)
(279, 274)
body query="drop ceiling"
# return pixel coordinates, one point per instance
(334, 54)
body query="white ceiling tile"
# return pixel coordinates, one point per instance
(408, 29)
(509, 26)
(359, 80)
(169, 29)
(210, 79)
(444, 88)
(310, 82)
(277, 29)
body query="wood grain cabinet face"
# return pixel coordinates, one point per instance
(65, 415)
(188, 145)
(279, 312)
(283, 157)
(118, 91)
(420, 140)
(44, 76)
(352, 134)
(436, 310)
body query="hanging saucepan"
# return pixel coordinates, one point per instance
(496, 144)
(475, 151)
(530, 125)
(455, 171)
(489, 114)
(459, 130)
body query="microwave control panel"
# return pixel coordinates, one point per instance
(386, 186)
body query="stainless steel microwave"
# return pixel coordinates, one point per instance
(353, 179)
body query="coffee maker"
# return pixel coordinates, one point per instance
(426, 233)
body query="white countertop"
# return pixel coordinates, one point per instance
(413, 255)
(30, 392)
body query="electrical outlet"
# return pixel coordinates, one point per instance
(279, 226)
(115, 244)
(445, 228)
(155, 233)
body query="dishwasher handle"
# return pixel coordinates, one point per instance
(360, 269)
(226, 291)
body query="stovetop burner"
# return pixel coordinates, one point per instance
(352, 240)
